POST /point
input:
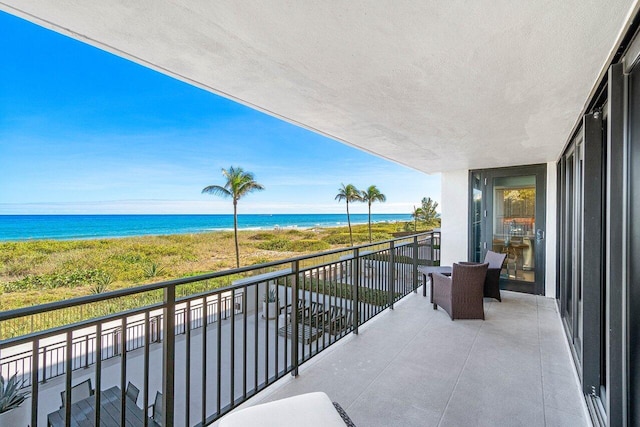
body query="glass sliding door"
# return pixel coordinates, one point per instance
(581, 245)
(508, 216)
(570, 250)
(476, 209)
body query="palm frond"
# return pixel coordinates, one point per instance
(349, 193)
(216, 190)
(372, 194)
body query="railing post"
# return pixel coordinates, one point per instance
(86, 351)
(116, 342)
(392, 273)
(168, 355)
(295, 271)
(355, 287)
(98, 351)
(433, 242)
(34, 381)
(44, 364)
(416, 256)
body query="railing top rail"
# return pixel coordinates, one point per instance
(58, 330)
(57, 305)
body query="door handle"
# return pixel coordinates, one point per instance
(539, 235)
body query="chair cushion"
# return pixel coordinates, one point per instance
(494, 259)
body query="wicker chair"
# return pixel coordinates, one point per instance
(492, 281)
(461, 294)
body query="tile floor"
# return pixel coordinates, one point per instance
(413, 366)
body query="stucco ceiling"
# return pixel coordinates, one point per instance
(434, 85)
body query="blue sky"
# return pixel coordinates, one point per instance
(84, 131)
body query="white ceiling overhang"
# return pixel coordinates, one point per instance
(434, 85)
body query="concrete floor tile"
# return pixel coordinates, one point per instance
(413, 366)
(558, 418)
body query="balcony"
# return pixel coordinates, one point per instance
(331, 323)
(413, 366)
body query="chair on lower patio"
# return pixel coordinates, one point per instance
(338, 320)
(78, 392)
(460, 294)
(156, 409)
(132, 392)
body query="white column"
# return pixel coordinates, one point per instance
(550, 232)
(455, 216)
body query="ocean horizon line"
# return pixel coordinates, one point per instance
(97, 226)
(198, 214)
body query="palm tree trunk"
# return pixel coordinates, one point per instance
(369, 222)
(349, 222)
(235, 231)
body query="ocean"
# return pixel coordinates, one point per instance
(70, 227)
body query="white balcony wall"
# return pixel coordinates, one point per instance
(455, 216)
(550, 232)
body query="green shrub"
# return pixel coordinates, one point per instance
(376, 237)
(15, 268)
(338, 239)
(102, 284)
(309, 245)
(343, 238)
(129, 257)
(263, 236)
(153, 270)
(55, 280)
(277, 244)
(259, 260)
(12, 393)
(344, 290)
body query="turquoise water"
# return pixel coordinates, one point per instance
(65, 227)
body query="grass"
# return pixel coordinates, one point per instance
(41, 271)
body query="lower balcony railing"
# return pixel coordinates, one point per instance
(226, 345)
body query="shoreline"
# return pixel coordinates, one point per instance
(274, 228)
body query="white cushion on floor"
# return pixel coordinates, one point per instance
(309, 410)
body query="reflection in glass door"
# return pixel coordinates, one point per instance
(508, 216)
(514, 225)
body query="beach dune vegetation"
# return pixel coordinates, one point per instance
(37, 272)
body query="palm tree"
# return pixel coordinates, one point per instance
(429, 214)
(351, 194)
(239, 183)
(370, 195)
(416, 214)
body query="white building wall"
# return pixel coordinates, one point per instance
(550, 232)
(455, 222)
(455, 216)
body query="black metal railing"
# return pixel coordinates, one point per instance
(227, 344)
